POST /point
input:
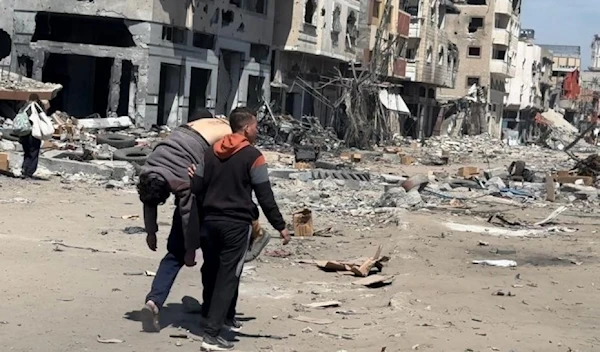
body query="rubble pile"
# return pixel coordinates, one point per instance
(277, 130)
(590, 166)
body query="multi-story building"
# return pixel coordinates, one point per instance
(312, 42)
(567, 62)
(567, 58)
(486, 33)
(153, 60)
(433, 61)
(595, 66)
(529, 90)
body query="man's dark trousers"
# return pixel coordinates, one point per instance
(31, 153)
(170, 265)
(224, 245)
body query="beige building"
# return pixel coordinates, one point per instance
(311, 39)
(433, 61)
(567, 58)
(487, 34)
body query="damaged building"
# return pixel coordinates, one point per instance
(486, 33)
(529, 91)
(155, 61)
(313, 41)
(433, 61)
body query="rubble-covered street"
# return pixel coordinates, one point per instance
(76, 267)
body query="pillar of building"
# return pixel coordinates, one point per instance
(114, 92)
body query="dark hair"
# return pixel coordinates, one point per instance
(240, 117)
(200, 113)
(153, 189)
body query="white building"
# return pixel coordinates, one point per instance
(528, 91)
(595, 66)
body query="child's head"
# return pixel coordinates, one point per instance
(153, 189)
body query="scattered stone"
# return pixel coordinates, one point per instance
(134, 230)
(399, 198)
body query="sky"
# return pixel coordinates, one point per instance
(567, 22)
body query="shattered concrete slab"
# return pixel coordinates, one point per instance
(114, 170)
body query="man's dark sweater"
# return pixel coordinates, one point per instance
(224, 183)
(171, 159)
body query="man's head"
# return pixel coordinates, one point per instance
(200, 113)
(243, 121)
(153, 189)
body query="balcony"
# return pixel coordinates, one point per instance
(502, 68)
(503, 6)
(403, 23)
(501, 36)
(415, 27)
(400, 67)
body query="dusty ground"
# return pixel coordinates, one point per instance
(57, 298)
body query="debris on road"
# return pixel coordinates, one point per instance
(374, 281)
(310, 320)
(108, 341)
(327, 304)
(134, 230)
(503, 263)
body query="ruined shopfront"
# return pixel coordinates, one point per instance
(154, 61)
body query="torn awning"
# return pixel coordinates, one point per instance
(393, 102)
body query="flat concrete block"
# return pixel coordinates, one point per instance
(282, 173)
(119, 168)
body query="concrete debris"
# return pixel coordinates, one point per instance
(104, 123)
(285, 130)
(503, 263)
(400, 198)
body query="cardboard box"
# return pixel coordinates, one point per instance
(4, 162)
(468, 171)
(587, 180)
(303, 223)
(407, 160)
(302, 165)
(356, 157)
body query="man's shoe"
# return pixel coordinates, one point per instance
(216, 343)
(257, 247)
(149, 317)
(233, 325)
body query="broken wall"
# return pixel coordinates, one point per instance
(67, 38)
(224, 90)
(436, 61)
(247, 22)
(140, 10)
(457, 28)
(317, 27)
(6, 25)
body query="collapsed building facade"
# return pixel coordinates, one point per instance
(154, 61)
(313, 40)
(529, 91)
(433, 61)
(487, 34)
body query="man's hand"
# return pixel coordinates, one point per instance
(285, 236)
(190, 258)
(151, 241)
(191, 170)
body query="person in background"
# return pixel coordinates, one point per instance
(31, 145)
(223, 185)
(164, 173)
